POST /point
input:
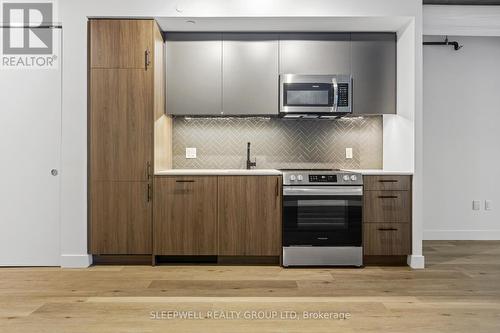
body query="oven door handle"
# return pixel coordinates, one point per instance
(323, 190)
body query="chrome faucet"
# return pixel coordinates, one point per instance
(250, 164)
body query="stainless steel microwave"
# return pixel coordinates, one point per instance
(315, 94)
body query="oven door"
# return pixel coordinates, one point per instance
(322, 215)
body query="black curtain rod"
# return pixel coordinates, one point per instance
(455, 44)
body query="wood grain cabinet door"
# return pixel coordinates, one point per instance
(387, 183)
(387, 206)
(185, 215)
(386, 239)
(120, 43)
(387, 212)
(121, 220)
(121, 124)
(249, 215)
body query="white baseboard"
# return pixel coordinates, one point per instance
(461, 234)
(416, 262)
(76, 260)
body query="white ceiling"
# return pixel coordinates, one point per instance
(461, 20)
(394, 23)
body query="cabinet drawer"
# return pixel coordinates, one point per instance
(398, 183)
(386, 239)
(387, 206)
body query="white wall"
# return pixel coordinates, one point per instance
(461, 139)
(399, 129)
(403, 131)
(469, 136)
(74, 13)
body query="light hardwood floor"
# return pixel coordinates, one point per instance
(458, 292)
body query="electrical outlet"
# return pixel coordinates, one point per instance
(190, 152)
(476, 205)
(348, 153)
(487, 205)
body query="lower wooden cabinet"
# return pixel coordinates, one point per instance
(249, 215)
(387, 239)
(387, 215)
(121, 219)
(387, 183)
(185, 214)
(387, 206)
(217, 215)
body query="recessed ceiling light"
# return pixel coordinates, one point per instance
(191, 21)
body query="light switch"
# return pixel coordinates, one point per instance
(487, 205)
(348, 153)
(476, 205)
(190, 152)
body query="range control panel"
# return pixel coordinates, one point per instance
(321, 177)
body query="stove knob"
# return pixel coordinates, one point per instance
(300, 178)
(292, 178)
(354, 178)
(346, 178)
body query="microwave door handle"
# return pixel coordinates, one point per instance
(335, 94)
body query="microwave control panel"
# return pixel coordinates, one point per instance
(343, 95)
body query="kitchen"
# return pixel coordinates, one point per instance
(265, 165)
(221, 205)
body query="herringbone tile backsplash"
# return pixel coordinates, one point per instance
(278, 143)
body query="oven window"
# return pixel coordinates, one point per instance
(322, 220)
(322, 214)
(307, 94)
(333, 213)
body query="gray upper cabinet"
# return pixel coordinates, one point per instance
(374, 73)
(315, 53)
(238, 73)
(194, 73)
(250, 74)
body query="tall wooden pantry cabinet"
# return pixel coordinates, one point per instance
(126, 115)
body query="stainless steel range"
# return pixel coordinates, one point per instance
(322, 218)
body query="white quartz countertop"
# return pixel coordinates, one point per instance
(380, 172)
(218, 172)
(263, 172)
